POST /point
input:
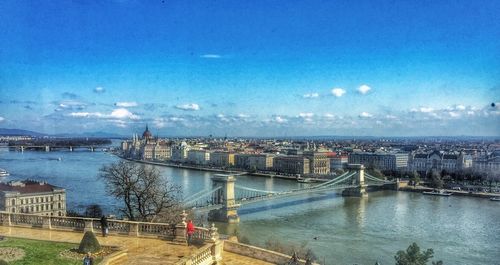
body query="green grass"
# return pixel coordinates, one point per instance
(42, 252)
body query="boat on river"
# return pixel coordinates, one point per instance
(437, 193)
(3, 173)
(496, 199)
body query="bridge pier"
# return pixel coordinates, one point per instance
(360, 190)
(22, 149)
(47, 148)
(71, 148)
(225, 196)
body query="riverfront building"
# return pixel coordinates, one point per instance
(291, 165)
(198, 157)
(32, 197)
(222, 159)
(337, 161)
(451, 162)
(180, 152)
(319, 163)
(254, 161)
(489, 164)
(146, 148)
(380, 160)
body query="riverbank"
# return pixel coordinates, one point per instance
(421, 189)
(216, 170)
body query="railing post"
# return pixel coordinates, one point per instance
(180, 229)
(218, 245)
(133, 229)
(89, 225)
(47, 224)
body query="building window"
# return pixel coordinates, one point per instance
(13, 201)
(59, 197)
(59, 205)
(13, 210)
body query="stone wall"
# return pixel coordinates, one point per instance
(257, 253)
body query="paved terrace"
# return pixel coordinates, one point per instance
(140, 250)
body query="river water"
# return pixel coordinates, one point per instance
(461, 230)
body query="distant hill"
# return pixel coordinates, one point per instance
(91, 134)
(19, 132)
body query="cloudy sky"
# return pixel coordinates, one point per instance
(251, 68)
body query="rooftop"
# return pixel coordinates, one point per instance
(28, 186)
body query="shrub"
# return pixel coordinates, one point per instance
(89, 243)
(3, 262)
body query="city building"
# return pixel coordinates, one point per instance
(32, 197)
(380, 160)
(488, 164)
(222, 159)
(198, 157)
(146, 147)
(179, 152)
(319, 163)
(337, 161)
(291, 165)
(254, 161)
(436, 160)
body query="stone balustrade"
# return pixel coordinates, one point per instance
(210, 253)
(115, 227)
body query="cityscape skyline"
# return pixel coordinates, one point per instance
(251, 69)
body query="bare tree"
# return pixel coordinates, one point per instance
(144, 193)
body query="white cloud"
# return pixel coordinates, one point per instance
(2, 119)
(160, 123)
(119, 114)
(329, 116)
(454, 114)
(243, 116)
(426, 109)
(123, 114)
(365, 115)
(279, 119)
(87, 114)
(306, 115)
(311, 95)
(338, 92)
(126, 104)
(210, 56)
(391, 117)
(460, 107)
(363, 89)
(190, 106)
(99, 89)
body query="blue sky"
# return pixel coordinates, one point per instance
(251, 68)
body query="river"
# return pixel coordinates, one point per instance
(461, 230)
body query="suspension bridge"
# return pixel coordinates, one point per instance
(223, 199)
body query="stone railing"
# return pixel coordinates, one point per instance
(115, 227)
(210, 253)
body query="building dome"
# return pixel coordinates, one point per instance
(147, 134)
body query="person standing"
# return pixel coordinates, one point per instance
(104, 226)
(189, 231)
(88, 259)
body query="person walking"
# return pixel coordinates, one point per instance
(88, 259)
(189, 231)
(104, 226)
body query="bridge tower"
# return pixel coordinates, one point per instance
(360, 190)
(225, 196)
